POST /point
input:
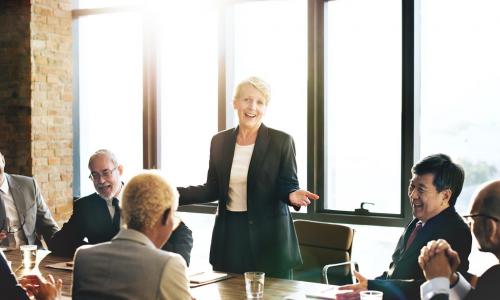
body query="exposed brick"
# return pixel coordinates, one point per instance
(35, 96)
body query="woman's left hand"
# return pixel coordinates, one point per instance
(302, 198)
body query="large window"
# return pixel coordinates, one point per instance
(363, 56)
(109, 73)
(342, 79)
(188, 87)
(460, 72)
(269, 40)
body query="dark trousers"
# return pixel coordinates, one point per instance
(239, 257)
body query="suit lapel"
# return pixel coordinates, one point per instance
(258, 155)
(229, 144)
(18, 198)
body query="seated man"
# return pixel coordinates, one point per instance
(24, 216)
(433, 191)
(131, 265)
(96, 217)
(440, 262)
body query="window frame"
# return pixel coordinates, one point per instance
(315, 107)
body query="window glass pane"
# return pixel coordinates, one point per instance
(270, 41)
(110, 90)
(363, 105)
(189, 88)
(460, 72)
(104, 3)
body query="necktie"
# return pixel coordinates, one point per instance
(116, 217)
(413, 234)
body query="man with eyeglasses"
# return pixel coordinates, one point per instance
(439, 261)
(96, 217)
(433, 191)
(24, 215)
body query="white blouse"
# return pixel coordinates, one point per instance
(238, 178)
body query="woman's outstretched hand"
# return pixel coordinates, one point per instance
(302, 198)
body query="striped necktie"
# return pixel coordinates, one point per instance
(413, 234)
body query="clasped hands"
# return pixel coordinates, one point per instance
(438, 259)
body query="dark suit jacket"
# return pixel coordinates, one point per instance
(488, 286)
(91, 220)
(9, 287)
(272, 175)
(404, 277)
(32, 209)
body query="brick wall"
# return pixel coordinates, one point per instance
(36, 96)
(15, 107)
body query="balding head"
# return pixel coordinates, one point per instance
(487, 200)
(485, 215)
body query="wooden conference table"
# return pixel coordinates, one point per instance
(232, 288)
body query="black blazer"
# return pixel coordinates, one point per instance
(9, 287)
(272, 175)
(488, 286)
(91, 221)
(404, 277)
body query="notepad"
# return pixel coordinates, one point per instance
(328, 293)
(68, 265)
(207, 276)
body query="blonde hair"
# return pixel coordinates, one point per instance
(258, 84)
(145, 198)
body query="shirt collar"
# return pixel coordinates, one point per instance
(134, 235)
(5, 185)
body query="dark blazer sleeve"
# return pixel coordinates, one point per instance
(70, 237)
(180, 242)
(488, 285)
(9, 287)
(288, 181)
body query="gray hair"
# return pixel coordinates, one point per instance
(106, 153)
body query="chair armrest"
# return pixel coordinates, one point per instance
(352, 265)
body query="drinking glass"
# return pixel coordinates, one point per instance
(371, 295)
(254, 284)
(28, 253)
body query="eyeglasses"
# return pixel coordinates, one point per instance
(6, 227)
(469, 219)
(95, 176)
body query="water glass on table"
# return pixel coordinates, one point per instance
(254, 284)
(371, 295)
(28, 253)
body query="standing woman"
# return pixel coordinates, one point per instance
(253, 173)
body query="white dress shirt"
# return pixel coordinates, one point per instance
(12, 215)
(441, 285)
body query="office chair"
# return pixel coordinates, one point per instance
(323, 244)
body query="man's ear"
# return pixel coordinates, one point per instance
(446, 195)
(492, 231)
(120, 169)
(164, 217)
